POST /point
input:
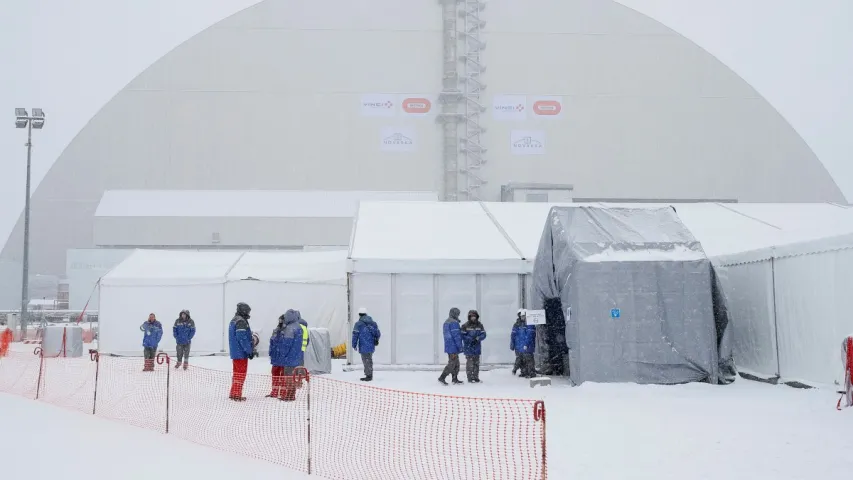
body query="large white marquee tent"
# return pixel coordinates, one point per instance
(210, 284)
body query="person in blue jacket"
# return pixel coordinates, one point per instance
(183, 331)
(365, 338)
(152, 333)
(285, 355)
(241, 349)
(473, 334)
(522, 340)
(452, 347)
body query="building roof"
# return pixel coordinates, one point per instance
(243, 203)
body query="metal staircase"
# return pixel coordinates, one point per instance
(463, 155)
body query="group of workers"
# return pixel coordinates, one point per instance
(288, 343)
(289, 340)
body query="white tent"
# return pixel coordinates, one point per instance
(789, 307)
(312, 282)
(209, 285)
(164, 283)
(411, 262)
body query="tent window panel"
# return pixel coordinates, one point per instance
(414, 319)
(499, 303)
(373, 291)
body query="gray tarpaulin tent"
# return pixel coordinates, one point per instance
(629, 296)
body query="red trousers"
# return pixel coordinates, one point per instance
(239, 368)
(277, 381)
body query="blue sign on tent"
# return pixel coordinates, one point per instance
(615, 313)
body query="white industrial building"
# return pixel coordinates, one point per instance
(560, 100)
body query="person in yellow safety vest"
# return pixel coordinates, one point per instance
(304, 326)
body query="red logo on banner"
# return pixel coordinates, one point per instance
(417, 105)
(547, 107)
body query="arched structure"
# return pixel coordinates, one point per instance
(274, 98)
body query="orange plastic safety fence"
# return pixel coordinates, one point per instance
(261, 427)
(375, 433)
(329, 428)
(19, 374)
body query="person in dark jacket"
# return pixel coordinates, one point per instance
(152, 333)
(184, 331)
(523, 342)
(365, 338)
(473, 334)
(452, 347)
(285, 355)
(520, 321)
(241, 349)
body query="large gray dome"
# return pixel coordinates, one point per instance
(270, 98)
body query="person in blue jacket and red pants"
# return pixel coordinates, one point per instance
(241, 349)
(285, 355)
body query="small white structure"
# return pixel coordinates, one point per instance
(411, 262)
(164, 283)
(209, 285)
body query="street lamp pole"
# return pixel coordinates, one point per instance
(23, 119)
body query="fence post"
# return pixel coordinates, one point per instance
(38, 351)
(95, 357)
(298, 374)
(539, 415)
(163, 357)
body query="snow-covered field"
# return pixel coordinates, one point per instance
(40, 441)
(746, 430)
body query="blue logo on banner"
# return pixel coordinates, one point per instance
(615, 313)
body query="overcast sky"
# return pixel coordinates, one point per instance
(70, 57)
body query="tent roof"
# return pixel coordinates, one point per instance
(243, 203)
(430, 237)
(297, 267)
(172, 267)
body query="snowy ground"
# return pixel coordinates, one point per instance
(41, 441)
(746, 430)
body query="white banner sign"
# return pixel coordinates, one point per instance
(416, 105)
(509, 107)
(527, 142)
(536, 317)
(547, 107)
(397, 139)
(378, 105)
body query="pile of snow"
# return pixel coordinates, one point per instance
(642, 254)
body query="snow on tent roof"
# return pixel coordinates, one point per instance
(243, 203)
(172, 267)
(297, 267)
(430, 237)
(523, 222)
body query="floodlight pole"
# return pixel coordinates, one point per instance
(25, 282)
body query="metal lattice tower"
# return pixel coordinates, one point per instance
(472, 146)
(449, 99)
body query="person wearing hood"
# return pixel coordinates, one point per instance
(520, 322)
(285, 355)
(241, 349)
(183, 331)
(523, 341)
(473, 334)
(365, 338)
(452, 347)
(152, 333)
